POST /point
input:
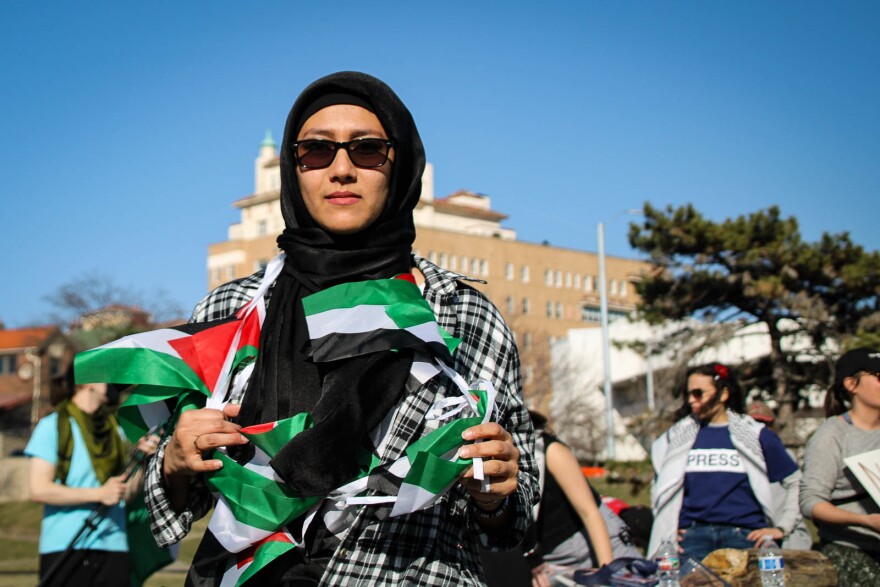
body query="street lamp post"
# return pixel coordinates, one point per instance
(649, 375)
(606, 349)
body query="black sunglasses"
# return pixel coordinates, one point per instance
(319, 153)
(697, 394)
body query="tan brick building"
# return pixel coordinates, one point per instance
(542, 290)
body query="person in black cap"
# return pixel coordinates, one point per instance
(847, 519)
(351, 173)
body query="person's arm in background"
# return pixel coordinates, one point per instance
(823, 463)
(134, 485)
(43, 489)
(564, 467)
(783, 469)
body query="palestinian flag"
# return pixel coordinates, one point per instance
(364, 317)
(190, 361)
(253, 502)
(247, 562)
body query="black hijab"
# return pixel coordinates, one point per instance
(346, 398)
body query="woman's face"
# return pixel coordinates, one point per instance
(866, 390)
(703, 398)
(343, 198)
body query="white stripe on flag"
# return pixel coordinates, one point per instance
(423, 371)
(411, 498)
(233, 535)
(156, 340)
(427, 331)
(364, 318)
(260, 465)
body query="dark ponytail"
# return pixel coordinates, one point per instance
(837, 399)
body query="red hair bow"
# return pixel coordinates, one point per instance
(721, 371)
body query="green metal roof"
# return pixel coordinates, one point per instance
(268, 141)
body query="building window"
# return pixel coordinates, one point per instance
(568, 279)
(432, 257)
(54, 367)
(548, 277)
(484, 268)
(509, 304)
(528, 373)
(464, 264)
(216, 274)
(453, 263)
(8, 364)
(591, 314)
(230, 272)
(623, 288)
(441, 260)
(559, 279)
(588, 283)
(525, 305)
(524, 273)
(262, 227)
(559, 310)
(594, 315)
(612, 287)
(549, 309)
(508, 271)
(577, 280)
(527, 340)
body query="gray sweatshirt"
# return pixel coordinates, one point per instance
(826, 478)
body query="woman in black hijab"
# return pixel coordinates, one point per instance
(351, 167)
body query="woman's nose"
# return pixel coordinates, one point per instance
(342, 169)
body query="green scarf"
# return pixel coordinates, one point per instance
(100, 433)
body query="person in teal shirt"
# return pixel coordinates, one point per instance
(77, 455)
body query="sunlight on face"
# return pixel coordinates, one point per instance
(343, 198)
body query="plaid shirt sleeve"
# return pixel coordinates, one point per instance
(489, 352)
(168, 526)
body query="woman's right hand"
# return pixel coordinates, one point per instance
(198, 431)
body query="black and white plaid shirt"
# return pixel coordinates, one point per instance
(435, 546)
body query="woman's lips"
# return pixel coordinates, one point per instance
(342, 198)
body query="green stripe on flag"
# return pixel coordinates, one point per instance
(244, 353)
(255, 500)
(380, 292)
(451, 341)
(272, 440)
(135, 366)
(130, 414)
(434, 474)
(442, 440)
(265, 554)
(410, 312)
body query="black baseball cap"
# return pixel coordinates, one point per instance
(860, 359)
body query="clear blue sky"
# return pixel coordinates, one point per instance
(128, 128)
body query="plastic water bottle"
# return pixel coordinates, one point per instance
(667, 561)
(770, 563)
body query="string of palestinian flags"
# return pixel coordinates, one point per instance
(208, 364)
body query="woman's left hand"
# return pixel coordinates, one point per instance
(500, 465)
(756, 535)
